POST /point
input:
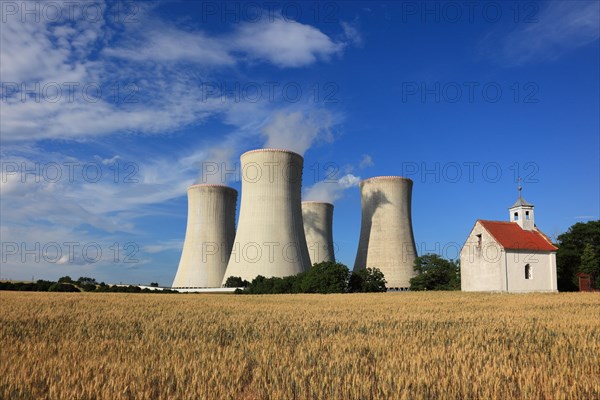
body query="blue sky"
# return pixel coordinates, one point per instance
(114, 108)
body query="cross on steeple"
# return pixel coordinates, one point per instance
(520, 188)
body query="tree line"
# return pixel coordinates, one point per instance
(83, 284)
(325, 277)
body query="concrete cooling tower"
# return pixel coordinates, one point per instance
(318, 221)
(208, 237)
(270, 236)
(386, 236)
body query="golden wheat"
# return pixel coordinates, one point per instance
(360, 346)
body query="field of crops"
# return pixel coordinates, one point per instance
(359, 346)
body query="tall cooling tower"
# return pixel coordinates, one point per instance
(318, 221)
(386, 235)
(270, 236)
(208, 237)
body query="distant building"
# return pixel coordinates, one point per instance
(510, 256)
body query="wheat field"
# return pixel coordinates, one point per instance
(358, 346)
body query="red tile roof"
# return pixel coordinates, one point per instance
(512, 237)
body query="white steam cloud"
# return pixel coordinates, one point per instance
(297, 131)
(331, 190)
(216, 166)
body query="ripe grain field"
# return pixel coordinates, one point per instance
(361, 346)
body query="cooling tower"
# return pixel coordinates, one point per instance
(270, 236)
(386, 236)
(318, 221)
(208, 237)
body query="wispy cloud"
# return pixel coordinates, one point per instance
(297, 130)
(331, 190)
(333, 187)
(285, 43)
(276, 40)
(168, 245)
(80, 79)
(586, 217)
(352, 34)
(48, 200)
(561, 26)
(157, 42)
(366, 161)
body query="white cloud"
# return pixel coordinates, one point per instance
(331, 190)
(163, 43)
(41, 51)
(282, 42)
(38, 210)
(298, 130)
(145, 77)
(352, 34)
(366, 161)
(109, 161)
(168, 245)
(285, 43)
(561, 26)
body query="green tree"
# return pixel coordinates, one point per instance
(65, 279)
(325, 277)
(63, 287)
(235, 281)
(590, 263)
(288, 284)
(43, 286)
(367, 280)
(435, 273)
(261, 285)
(84, 280)
(571, 246)
(154, 284)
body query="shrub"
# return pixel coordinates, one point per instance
(367, 280)
(325, 277)
(435, 273)
(63, 287)
(65, 279)
(84, 280)
(236, 281)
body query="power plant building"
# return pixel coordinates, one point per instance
(209, 236)
(270, 237)
(318, 229)
(386, 235)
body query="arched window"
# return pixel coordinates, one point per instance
(516, 216)
(527, 271)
